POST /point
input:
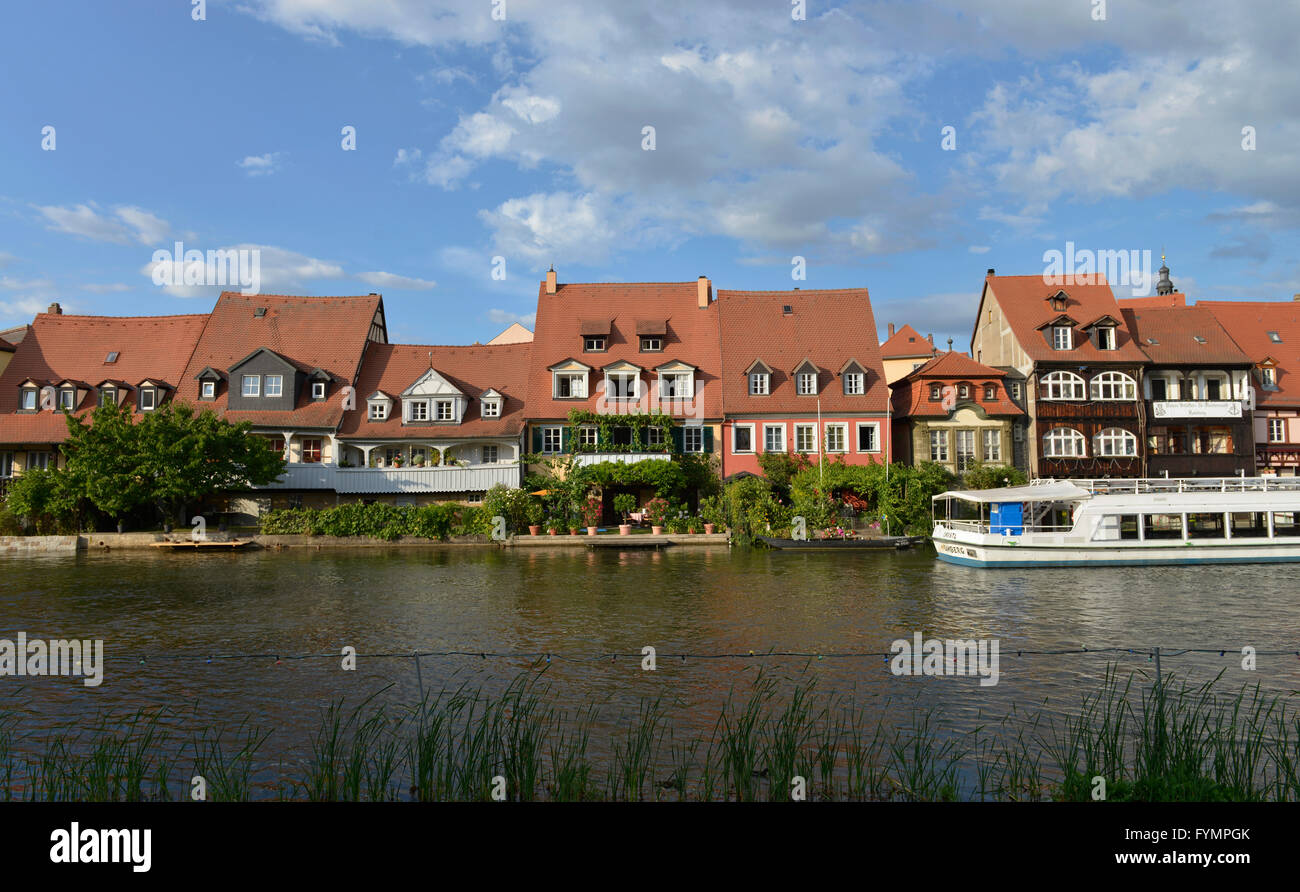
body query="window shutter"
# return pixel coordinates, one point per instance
(537, 439)
(679, 439)
(708, 438)
(565, 433)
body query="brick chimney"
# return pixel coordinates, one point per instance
(930, 338)
(992, 271)
(55, 309)
(704, 292)
(891, 329)
(550, 280)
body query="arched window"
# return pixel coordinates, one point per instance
(1114, 442)
(1063, 386)
(1064, 442)
(1114, 386)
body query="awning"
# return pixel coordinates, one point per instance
(593, 327)
(1044, 492)
(651, 327)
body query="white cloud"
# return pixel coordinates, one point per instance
(110, 288)
(126, 223)
(260, 165)
(384, 280)
(279, 271)
(505, 317)
(979, 249)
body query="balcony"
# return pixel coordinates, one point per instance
(471, 478)
(627, 458)
(1162, 410)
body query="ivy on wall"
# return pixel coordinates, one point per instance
(638, 423)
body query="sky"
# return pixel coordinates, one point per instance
(491, 139)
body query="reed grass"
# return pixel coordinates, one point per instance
(1173, 741)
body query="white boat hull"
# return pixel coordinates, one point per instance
(976, 550)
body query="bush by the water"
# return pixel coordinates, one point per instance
(378, 521)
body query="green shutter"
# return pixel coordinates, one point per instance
(537, 439)
(679, 440)
(565, 435)
(708, 438)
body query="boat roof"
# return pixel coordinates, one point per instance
(1038, 492)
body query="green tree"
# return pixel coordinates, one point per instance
(993, 476)
(104, 463)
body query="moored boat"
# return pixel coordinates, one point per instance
(1121, 522)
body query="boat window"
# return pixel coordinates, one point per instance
(1163, 526)
(1115, 527)
(1250, 523)
(1205, 526)
(1285, 523)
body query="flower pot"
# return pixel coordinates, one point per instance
(591, 531)
(625, 529)
(534, 529)
(573, 531)
(657, 531)
(550, 531)
(708, 529)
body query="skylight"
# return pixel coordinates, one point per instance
(1275, 337)
(1198, 339)
(112, 357)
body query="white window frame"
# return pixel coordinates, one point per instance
(693, 438)
(1103, 443)
(807, 384)
(494, 453)
(1062, 338)
(780, 428)
(1112, 380)
(854, 384)
(843, 430)
(594, 343)
(1106, 339)
(588, 435)
(378, 411)
(805, 427)
(318, 390)
(1062, 386)
(417, 410)
(491, 408)
(965, 459)
(1055, 438)
(39, 461)
(67, 399)
(274, 386)
(688, 392)
(752, 445)
(208, 390)
(654, 437)
(760, 384)
(652, 344)
(1268, 377)
(255, 390)
(1277, 430)
(610, 393)
(558, 433)
(992, 436)
(875, 436)
(577, 385)
(152, 395)
(939, 445)
(444, 410)
(30, 399)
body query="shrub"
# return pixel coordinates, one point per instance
(993, 477)
(378, 521)
(656, 511)
(624, 504)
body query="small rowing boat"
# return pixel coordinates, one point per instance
(203, 545)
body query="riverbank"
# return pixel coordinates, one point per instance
(103, 542)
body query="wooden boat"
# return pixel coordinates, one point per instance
(895, 542)
(1118, 522)
(203, 545)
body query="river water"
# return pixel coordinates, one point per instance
(162, 615)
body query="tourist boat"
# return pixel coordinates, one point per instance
(1066, 523)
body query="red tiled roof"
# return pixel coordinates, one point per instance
(393, 368)
(906, 343)
(912, 393)
(692, 338)
(328, 333)
(61, 347)
(1176, 299)
(828, 327)
(1169, 336)
(1249, 322)
(1024, 303)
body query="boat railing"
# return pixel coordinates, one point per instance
(1143, 485)
(984, 527)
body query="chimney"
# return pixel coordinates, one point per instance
(992, 271)
(930, 338)
(1295, 297)
(891, 329)
(704, 291)
(55, 309)
(550, 280)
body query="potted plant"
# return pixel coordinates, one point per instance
(591, 513)
(345, 463)
(534, 513)
(625, 504)
(417, 461)
(552, 525)
(656, 511)
(711, 511)
(399, 460)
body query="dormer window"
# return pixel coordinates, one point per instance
(807, 383)
(148, 399)
(318, 390)
(622, 385)
(107, 396)
(208, 390)
(274, 385)
(68, 399)
(854, 383)
(417, 410)
(444, 410)
(652, 344)
(963, 391)
(990, 393)
(29, 399)
(492, 408)
(1058, 301)
(936, 392)
(1062, 337)
(593, 345)
(570, 385)
(1268, 376)
(676, 385)
(252, 386)
(759, 384)
(378, 411)
(1105, 337)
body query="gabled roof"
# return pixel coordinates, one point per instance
(329, 333)
(1168, 336)
(475, 371)
(1248, 323)
(907, 343)
(514, 334)
(62, 347)
(1024, 304)
(824, 327)
(691, 336)
(912, 392)
(1174, 299)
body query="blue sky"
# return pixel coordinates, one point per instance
(522, 138)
